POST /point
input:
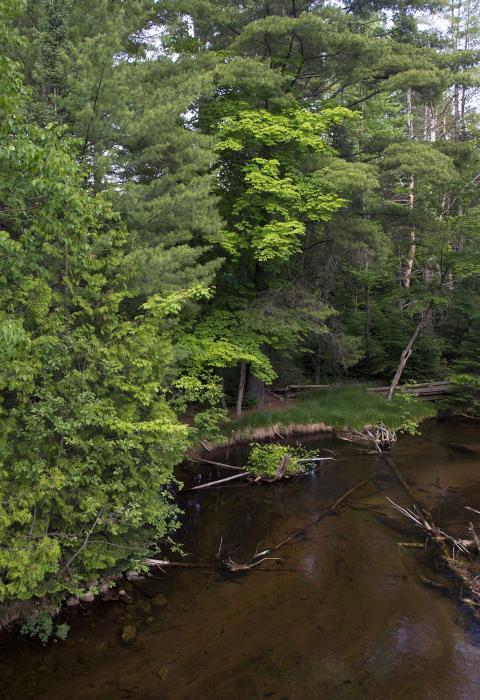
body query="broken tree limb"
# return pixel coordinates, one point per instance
(161, 563)
(333, 508)
(423, 520)
(281, 470)
(234, 566)
(218, 482)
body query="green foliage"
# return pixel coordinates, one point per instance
(88, 439)
(261, 156)
(42, 627)
(264, 460)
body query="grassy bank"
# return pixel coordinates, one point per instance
(338, 408)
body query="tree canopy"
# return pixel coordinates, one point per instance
(200, 199)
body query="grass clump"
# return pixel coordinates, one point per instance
(341, 408)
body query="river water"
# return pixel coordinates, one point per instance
(343, 615)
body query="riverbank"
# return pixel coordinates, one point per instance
(364, 619)
(333, 410)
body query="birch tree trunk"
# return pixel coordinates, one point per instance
(407, 278)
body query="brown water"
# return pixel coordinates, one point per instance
(343, 615)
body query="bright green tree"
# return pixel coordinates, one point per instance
(88, 440)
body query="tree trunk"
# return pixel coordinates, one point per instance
(456, 109)
(407, 278)
(368, 315)
(433, 123)
(425, 317)
(256, 388)
(241, 387)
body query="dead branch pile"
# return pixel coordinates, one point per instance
(460, 557)
(379, 437)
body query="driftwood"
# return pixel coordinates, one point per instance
(315, 459)
(458, 556)
(379, 436)
(262, 556)
(247, 566)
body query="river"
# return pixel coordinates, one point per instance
(343, 615)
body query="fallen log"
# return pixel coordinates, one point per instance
(429, 390)
(280, 474)
(262, 556)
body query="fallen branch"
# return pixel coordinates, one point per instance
(331, 510)
(339, 501)
(423, 520)
(402, 481)
(234, 566)
(161, 563)
(218, 482)
(316, 459)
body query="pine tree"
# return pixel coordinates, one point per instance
(88, 438)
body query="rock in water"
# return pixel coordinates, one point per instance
(159, 601)
(72, 601)
(129, 634)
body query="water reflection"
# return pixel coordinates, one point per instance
(343, 615)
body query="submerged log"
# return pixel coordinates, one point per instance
(330, 510)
